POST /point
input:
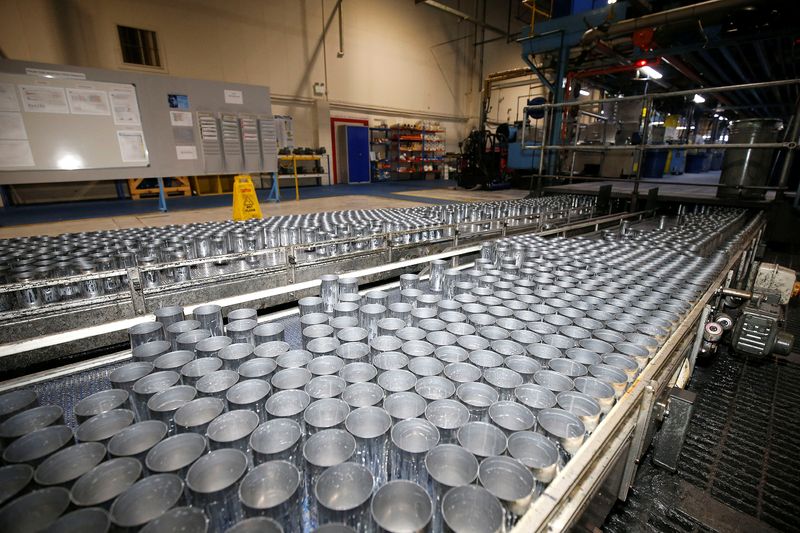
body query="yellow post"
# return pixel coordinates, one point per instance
(296, 182)
(245, 200)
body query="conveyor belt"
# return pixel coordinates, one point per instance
(739, 466)
(66, 391)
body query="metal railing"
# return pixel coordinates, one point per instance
(270, 260)
(639, 149)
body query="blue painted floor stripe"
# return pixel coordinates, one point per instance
(44, 213)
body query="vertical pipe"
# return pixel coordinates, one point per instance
(555, 132)
(792, 136)
(648, 103)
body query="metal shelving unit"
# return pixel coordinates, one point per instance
(379, 144)
(415, 152)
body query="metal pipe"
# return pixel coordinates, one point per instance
(669, 16)
(688, 92)
(663, 182)
(463, 16)
(792, 136)
(340, 52)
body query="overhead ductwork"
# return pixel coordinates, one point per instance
(669, 16)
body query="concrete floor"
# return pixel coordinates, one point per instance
(412, 198)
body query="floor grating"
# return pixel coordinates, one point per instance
(740, 452)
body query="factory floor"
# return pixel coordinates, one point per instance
(54, 219)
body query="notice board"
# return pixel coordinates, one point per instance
(69, 124)
(189, 127)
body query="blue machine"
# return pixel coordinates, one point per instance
(519, 159)
(562, 34)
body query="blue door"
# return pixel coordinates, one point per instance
(357, 154)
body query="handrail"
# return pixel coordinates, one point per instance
(671, 94)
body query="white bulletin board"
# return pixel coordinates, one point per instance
(69, 124)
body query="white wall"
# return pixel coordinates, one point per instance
(508, 97)
(401, 61)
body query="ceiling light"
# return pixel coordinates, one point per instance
(698, 99)
(612, 1)
(651, 73)
(584, 92)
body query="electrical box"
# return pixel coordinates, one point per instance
(285, 131)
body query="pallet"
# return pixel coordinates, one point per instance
(213, 184)
(184, 188)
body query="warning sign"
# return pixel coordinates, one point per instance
(245, 201)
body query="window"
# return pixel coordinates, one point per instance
(139, 47)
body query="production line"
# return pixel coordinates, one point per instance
(69, 283)
(494, 396)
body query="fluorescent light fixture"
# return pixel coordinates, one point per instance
(612, 1)
(651, 73)
(584, 92)
(698, 99)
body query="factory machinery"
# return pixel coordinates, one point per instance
(512, 385)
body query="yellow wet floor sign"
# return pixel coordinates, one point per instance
(245, 201)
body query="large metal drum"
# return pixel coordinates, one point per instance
(748, 166)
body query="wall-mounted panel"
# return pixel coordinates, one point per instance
(190, 127)
(65, 124)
